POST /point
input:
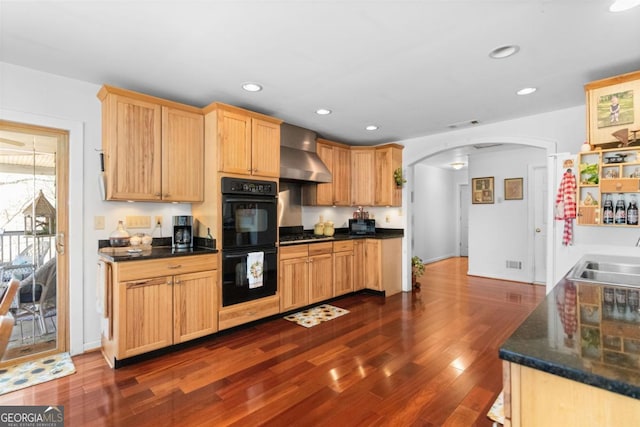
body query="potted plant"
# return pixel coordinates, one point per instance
(398, 177)
(417, 270)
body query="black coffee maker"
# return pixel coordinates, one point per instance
(182, 232)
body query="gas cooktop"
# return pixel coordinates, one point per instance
(302, 238)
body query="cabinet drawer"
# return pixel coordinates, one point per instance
(132, 270)
(297, 251)
(248, 312)
(320, 248)
(343, 246)
(619, 185)
(620, 329)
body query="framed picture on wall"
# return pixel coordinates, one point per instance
(482, 190)
(513, 188)
(613, 112)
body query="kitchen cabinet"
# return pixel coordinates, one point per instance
(343, 263)
(247, 143)
(145, 140)
(372, 182)
(320, 271)
(293, 276)
(612, 174)
(298, 287)
(378, 265)
(535, 398)
(388, 158)
(337, 158)
(358, 264)
(363, 176)
(239, 314)
(156, 303)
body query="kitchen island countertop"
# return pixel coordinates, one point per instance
(574, 334)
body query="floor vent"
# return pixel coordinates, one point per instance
(514, 264)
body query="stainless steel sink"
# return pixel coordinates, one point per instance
(607, 269)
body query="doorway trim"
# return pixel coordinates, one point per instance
(75, 301)
(452, 141)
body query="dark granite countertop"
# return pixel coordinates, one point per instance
(576, 334)
(160, 248)
(343, 234)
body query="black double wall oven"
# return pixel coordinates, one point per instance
(249, 236)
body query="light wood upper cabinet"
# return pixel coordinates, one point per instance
(362, 176)
(247, 143)
(265, 148)
(182, 150)
(145, 140)
(337, 158)
(387, 159)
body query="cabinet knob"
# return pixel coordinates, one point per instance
(618, 185)
(177, 282)
(249, 170)
(169, 282)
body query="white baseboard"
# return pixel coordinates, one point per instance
(440, 258)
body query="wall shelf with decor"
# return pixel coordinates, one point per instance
(613, 175)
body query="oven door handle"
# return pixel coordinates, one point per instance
(272, 200)
(245, 254)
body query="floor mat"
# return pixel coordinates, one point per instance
(35, 372)
(316, 315)
(496, 413)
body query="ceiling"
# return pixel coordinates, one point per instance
(413, 68)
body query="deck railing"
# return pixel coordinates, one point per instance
(17, 243)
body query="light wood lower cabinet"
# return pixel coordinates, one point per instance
(378, 265)
(153, 304)
(343, 267)
(320, 271)
(246, 312)
(537, 398)
(305, 275)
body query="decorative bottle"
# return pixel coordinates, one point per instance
(632, 212)
(621, 210)
(607, 210)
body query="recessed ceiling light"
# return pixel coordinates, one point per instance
(622, 5)
(371, 127)
(504, 51)
(251, 87)
(323, 111)
(526, 91)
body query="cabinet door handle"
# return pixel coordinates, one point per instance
(173, 267)
(137, 283)
(251, 313)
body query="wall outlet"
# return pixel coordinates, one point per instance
(141, 221)
(98, 222)
(387, 218)
(158, 220)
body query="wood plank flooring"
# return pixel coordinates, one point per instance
(427, 358)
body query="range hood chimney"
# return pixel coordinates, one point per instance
(298, 158)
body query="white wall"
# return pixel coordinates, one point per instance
(385, 217)
(30, 96)
(434, 213)
(556, 132)
(499, 232)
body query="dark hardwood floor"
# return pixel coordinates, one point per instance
(427, 358)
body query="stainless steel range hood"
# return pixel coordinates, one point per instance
(298, 158)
